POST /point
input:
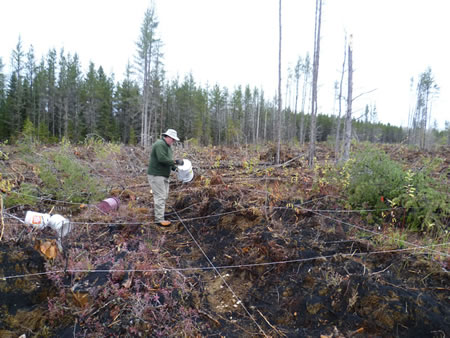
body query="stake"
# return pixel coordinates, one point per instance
(1, 211)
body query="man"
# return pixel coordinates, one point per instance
(161, 163)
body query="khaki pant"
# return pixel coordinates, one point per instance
(160, 188)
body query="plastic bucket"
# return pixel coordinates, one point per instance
(60, 224)
(109, 204)
(36, 219)
(185, 172)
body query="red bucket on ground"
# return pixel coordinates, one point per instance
(109, 204)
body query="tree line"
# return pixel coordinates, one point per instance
(54, 99)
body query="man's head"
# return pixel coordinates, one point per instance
(170, 136)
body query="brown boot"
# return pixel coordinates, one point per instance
(164, 223)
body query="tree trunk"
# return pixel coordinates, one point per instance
(313, 128)
(145, 55)
(306, 71)
(258, 118)
(279, 88)
(297, 81)
(338, 127)
(348, 118)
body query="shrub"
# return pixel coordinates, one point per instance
(66, 179)
(28, 131)
(26, 195)
(133, 138)
(373, 178)
(103, 150)
(425, 199)
(417, 199)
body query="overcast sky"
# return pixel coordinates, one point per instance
(235, 42)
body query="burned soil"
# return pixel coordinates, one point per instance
(255, 249)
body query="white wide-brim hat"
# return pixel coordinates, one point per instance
(172, 134)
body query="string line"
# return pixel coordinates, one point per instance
(220, 267)
(220, 275)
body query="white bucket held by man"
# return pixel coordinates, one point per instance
(185, 172)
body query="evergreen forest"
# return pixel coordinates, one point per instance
(51, 98)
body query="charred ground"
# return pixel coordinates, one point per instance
(292, 261)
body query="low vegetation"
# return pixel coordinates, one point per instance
(359, 248)
(415, 197)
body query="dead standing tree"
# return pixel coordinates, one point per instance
(279, 88)
(338, 126)
(348, 117)
(313, 128)
(306, 71)
(426, 89)
(146, 52)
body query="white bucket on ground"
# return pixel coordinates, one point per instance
(185, 172)
(36, 219)
(60, 224)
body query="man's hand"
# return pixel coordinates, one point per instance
(179, 162)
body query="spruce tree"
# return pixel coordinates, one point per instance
(126, 107)
(16, 90)
(217, 105)
(3, 127)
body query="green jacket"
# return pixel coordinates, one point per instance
(161, 161)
